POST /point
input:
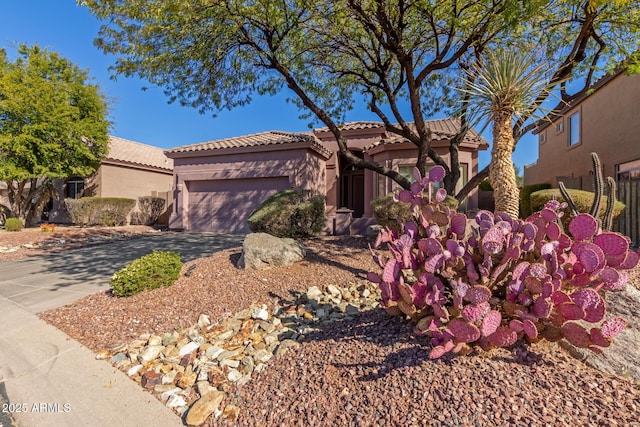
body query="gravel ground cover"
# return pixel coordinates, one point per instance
(367, 371)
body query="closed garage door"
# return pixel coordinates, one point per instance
(223, 206)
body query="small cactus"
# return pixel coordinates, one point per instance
(598, 192)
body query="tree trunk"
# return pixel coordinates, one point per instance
(502, 174)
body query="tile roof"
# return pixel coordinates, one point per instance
(123, 150)
(254, 140)
(440, 129)
(354, 126)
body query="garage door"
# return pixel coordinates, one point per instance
(223, 206)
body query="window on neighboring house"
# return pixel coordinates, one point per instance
(574, 128)
(629, 171)
(74, 188)
(560, 126)
(542, 137)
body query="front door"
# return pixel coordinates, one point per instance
(352, 190)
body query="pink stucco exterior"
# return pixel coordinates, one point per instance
(217, 189)
(218, 184)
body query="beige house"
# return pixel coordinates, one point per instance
(219, 183)
(129, 170)
(606, 121)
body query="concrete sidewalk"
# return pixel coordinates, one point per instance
(52, 380)
(49, 379)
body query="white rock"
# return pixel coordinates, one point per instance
(203, 321)
(259, 313)
(134, 370)
(334, 292)
(213, 352)
(175, 401)
(167, 394)
(188, 348)
(149, 353)
(230, 363)
(314, 293)
(234, 375)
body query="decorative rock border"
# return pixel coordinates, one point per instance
(191, 370)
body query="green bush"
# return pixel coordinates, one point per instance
(582, 199)
(149, 209)
(13, 224)
(525, 197)
(159, 268)
(387, 212)
(485, 185)
(102, 211)
(289, 213)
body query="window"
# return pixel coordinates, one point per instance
(560, 126)
(542, 137)
(75, 188)
(407, 172)
(629, 171)
(574, 128)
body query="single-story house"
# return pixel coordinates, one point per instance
(218, 184)
(129, 170)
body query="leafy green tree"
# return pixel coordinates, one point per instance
(402, 57)
(52, 125)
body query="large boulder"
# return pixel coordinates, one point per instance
(261, 250)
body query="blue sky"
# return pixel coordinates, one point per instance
(145, 116)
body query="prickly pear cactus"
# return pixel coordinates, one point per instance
(505, 280)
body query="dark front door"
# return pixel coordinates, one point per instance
(353, 191)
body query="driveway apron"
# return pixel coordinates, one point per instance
(46, 378)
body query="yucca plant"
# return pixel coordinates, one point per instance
(501, 87)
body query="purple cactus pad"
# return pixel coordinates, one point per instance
(478, 294)
(530, 329)
(436, 174)
(583, 226)
(576, 335)
(463, 331)
(630, 261)
(597, 339)
(612, 243)
(473, 312)
(503, 337)
(612, 327)
(553, 231)
(571, 311)
(490, 323)
(541, 308)
(592, 304)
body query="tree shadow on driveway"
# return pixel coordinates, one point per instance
(97, 263)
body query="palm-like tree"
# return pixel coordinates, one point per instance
(499, 89)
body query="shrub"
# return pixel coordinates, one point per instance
(525, 197)
(485, 185)
(390, 213)
(102, 211)
(507, 280)
(13, 224)
(159, 268)
(289, 213)
(149, 209)
(582, 199)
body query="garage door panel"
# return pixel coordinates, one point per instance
(225, 205)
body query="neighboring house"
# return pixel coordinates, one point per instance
(605, 120)
(129, 170)
(218, 184)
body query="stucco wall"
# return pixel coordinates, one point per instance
(121, 181)
(609, 125)
(303, 167)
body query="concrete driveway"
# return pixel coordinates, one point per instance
(44, 282)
